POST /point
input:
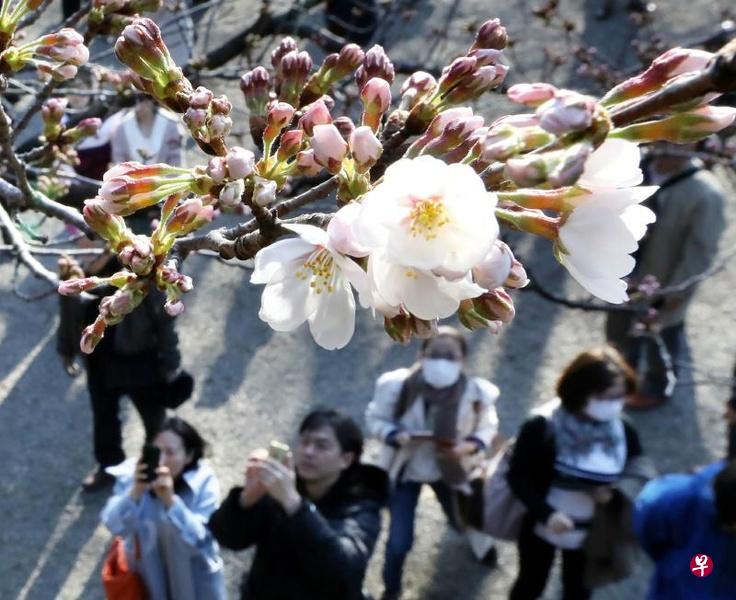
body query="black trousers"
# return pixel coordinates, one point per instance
(535, 561)
(732, 441)
(107, 428)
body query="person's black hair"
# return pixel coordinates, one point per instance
(348, 433)
(447, 331)
(193, 442)
(593, 372)
(724, 486)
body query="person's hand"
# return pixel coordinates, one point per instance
(402, 438)
(560, 523)
(140, 484)
(163, 486)
(253, 489)
(279, 480)
(71, 366)
(602, 494)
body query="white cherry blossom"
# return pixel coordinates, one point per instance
(307, 279)
(429, 215)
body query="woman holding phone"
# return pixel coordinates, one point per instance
(163, 510)
(435, 422)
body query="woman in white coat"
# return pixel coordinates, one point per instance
(435, 423)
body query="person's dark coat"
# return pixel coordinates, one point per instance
(319, 553)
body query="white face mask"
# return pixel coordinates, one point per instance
(440, 372)
(604, 410)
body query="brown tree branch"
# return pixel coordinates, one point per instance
(24, 253)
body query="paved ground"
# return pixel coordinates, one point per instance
(254, 385)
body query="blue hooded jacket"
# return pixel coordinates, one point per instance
(675, 519)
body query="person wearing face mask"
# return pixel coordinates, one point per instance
(574, 469)
(435, 423)
(167, 519)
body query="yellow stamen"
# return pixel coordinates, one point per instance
(427, 217)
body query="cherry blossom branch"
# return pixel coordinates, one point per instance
(718, 76)
(24, 253)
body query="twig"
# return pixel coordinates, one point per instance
(24, 253)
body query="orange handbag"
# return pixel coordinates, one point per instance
(118, 579)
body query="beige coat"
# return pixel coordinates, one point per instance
(476, 418)
(684, 240)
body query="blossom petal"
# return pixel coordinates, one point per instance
(614, 164)
(284, 304)
(610, 289)
(280, 259)
(637, 218)
(333, 323)
(310, 234)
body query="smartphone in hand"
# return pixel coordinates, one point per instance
(151, 455)
(278, 451)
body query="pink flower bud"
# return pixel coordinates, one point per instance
(495, 305)
(285, 46)
(64, 72)
(221, 105)
(280, 115)
(350, 58)
(201, 98)
(315, 114)
(376, 94)
(566, 112)
(255, 86)
(72, 287)
(240, 162)
(491, 35)
(494, 269)
(420, 83)
(174, 308)
(194, 118)
(217, 169)
(375, 64)
(329, 147)
(459, 69)
(531, 94)
(91, 335)
(289, 144)
(365, 148)
(307, 164)
(486, 57)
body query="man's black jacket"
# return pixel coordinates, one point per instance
(319, 553)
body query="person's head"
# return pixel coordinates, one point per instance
(442, 357)
(724, 486)
(329, 443)
(666, 157)
(595, 384)
(145, 107)
(180, 444)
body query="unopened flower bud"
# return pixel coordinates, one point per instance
(566, 112)
(375, 64)
(316, 113)
(264, 191)
(109, 227)
(459, 69)
(231, 194)
(418, 86)
(174, 308)
(491, 35)
(289, 144)
(294, 70)
(495, 305)
(201, 97)
(280, 115)
(306, 163)
(329, 147)
(517, 276)
(255, 86)
(681, 128)
(365, 148)
(240, 162)
(376, 98)
(531, 94)
(285, 46)
(217, 169)
(494, 269)
(91, 335)
(73, 287)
